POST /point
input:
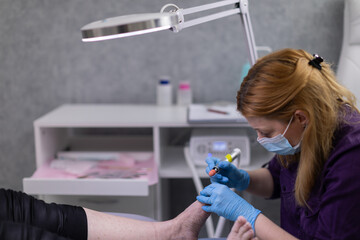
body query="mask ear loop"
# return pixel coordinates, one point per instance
(302, 135)
(288, 125)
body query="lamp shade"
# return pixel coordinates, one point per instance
(128, 25)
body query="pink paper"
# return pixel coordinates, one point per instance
(127, 167)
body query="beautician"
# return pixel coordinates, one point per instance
(300, 112)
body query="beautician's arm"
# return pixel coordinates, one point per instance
(265, 229)
(261, 183)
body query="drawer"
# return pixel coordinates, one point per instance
(105, 177)
(106, 187)
(141, 205)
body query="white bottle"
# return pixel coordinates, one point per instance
(164, 92)
(184, 95)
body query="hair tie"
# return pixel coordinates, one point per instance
(315, 62)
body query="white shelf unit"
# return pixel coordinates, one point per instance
(161, 130)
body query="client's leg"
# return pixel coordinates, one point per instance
(241, 230)
(185, 226)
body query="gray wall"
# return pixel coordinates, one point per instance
(44, 63)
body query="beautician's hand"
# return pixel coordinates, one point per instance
(226, 203)
(229, 175)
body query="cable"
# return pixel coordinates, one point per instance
(198, 185)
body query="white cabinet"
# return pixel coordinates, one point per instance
(163, 131)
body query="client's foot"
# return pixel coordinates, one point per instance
(187, 225)
(241, 230)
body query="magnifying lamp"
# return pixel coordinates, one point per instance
(136, 24)
(130, 25)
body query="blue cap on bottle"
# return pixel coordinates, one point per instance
(163, 82)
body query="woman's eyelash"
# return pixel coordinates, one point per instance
(265, 134)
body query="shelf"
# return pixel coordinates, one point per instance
(173, 164)
(113, 115)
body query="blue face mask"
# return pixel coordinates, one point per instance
(279, 144)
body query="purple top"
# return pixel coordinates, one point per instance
(334, 200)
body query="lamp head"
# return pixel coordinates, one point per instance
(129, 25)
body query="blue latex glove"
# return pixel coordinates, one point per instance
(229, 175)
(224, 202)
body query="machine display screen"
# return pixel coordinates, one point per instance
(219, 146)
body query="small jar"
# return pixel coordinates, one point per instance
(164, 92)
(184, 95)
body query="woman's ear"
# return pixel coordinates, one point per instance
(302, 117)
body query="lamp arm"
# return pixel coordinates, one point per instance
(245, 16)
(209, 6)
(241, 9)
(193, 22)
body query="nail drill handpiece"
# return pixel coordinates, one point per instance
(229, 158)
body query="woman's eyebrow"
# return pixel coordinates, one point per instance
(264, 129)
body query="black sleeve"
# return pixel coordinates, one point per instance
(21, 231)
(61, 220)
